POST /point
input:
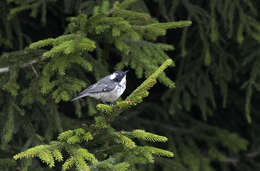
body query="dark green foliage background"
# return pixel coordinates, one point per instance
(211, 117)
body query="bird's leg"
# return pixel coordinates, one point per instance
(107, 103)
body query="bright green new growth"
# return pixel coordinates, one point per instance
(141, 134)
(131, 34)
(118, 145)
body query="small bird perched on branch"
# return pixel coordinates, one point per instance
(108, 89)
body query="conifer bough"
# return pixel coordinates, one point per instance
(121, 148)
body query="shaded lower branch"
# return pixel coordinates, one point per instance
(7, 69)
(27, 56)
(235, 160)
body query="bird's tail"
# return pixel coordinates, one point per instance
(78, 97)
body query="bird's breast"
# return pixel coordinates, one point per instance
(113, 95)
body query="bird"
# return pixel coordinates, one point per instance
(107, 89)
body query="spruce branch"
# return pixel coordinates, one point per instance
(47, 153)
(147, 136)
(157, 151)
(27, 58)
(26, 64)
(236, 160)
(74, 142)
(136, 96)
(124, 140)
(125, 4)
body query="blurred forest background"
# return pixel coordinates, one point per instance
(211, 116)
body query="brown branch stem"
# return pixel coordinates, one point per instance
(27, 64)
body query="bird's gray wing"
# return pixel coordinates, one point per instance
(101, 86)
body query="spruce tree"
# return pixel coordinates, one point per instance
(52, 70)
(207, 119)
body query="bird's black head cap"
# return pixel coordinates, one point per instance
(118, 75)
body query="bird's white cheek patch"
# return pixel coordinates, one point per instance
(113, 76)
(123, 81)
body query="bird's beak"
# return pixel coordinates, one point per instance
(126, 71)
